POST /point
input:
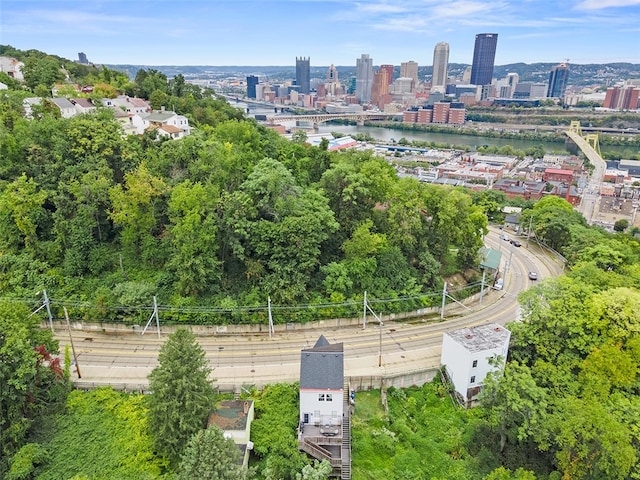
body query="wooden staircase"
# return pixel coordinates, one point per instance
(345, 468)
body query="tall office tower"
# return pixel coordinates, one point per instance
(82, 58)
(484, 54)
(440, 67)
(410, 70)
(303, 74)
(364, 78)
(252, 83)
(379, 89)
(558, 81)
(388, 69)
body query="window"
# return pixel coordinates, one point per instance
(321, 397)
(329, 399)
(475, 363)
(473, 379)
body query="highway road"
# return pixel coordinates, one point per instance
(258, 360)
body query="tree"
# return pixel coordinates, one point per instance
(592, 442)
(182, 395)
(20, 212)
(210, 456)
(317, 471)
(621, 225)
(32, 382)
(193, 235)
(515, 405)
(135, 209)
(41, 70)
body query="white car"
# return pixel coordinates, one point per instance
(499, 284)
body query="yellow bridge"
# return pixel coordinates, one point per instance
(590, 146)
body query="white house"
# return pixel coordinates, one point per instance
(12, 67)
(469, 354)
(234, 418)
(167, 123)
(325, 418)
(322, 384)
(67, 109)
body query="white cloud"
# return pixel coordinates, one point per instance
(602, 4)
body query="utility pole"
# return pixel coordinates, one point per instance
(380, 346)
(153, 315)
(73, 349)
(444, 300)
(364, 311)
(47, 304)
(484, 275)
(529, 232)
(271, 329)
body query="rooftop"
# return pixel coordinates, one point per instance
(481, 337)
(230, 414)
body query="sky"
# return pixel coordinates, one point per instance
(260, 33)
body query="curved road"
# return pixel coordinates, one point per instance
(258, 360)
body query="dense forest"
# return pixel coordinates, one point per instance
(225, 217)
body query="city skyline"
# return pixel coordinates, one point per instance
(261, 33)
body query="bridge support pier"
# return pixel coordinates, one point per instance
(360, 122)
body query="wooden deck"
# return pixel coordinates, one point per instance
(335, 448)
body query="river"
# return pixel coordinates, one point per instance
(389, 134)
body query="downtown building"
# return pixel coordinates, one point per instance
(440, 67)
(622, 98)
(558, 81)
(452, 113)
(364, 78)
(303, 74)
(410, 70)
(252, 83)
(484, 54)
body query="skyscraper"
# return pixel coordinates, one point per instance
(82, 58)
(380, 89)
(252, 83)
(364, 78)
(410, 70)
(388, 69)
(484, 54)
(440, 67)
(558, 81)
(303, 74)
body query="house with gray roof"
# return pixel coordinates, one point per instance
(67, 109)
(167, 123)
(325, 427)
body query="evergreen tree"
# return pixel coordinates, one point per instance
(210, 456)
(182, 395)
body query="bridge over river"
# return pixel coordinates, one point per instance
(319, 118)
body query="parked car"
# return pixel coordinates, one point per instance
(504, 237)
(533, 276)
(499, 284)
(516, 243)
